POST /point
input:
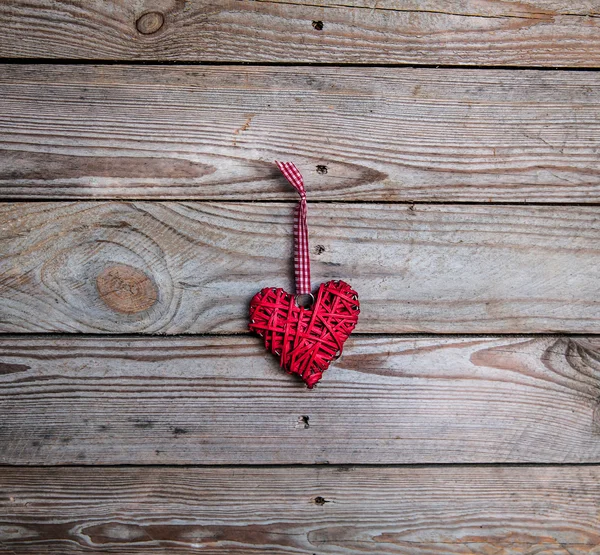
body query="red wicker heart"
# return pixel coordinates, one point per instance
(306, 340)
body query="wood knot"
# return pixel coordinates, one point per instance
(126, 289)
(150, 22)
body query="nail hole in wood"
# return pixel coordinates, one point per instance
(303, 422)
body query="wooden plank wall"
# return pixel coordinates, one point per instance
(141, 210)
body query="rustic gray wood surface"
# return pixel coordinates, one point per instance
(303, 510)
(459, 201)
(192, 267)
(472, 32)
(393, 134)
(226, 401)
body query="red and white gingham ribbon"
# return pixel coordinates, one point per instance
(301, 254)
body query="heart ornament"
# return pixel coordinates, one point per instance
(306, 340)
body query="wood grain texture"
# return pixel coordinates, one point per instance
(356, 133)
(225, 401)
(325, 510)
(473, 32)
(171, 268)
(438, 269)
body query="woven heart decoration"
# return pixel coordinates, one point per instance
(306, 340)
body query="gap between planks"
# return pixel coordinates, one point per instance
(333, 65)
(340, 467)
(406, 203)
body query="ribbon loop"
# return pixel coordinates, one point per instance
(301, 253)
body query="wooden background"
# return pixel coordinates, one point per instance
(451, 155)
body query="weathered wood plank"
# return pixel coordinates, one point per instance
(474, 32)
(357, 133)
(225, 401)
(167, 267)
(325, 510)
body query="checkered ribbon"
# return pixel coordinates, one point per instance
(301, 254)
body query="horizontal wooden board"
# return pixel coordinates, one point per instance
(324, 510)
(171, 268)
(225, 401)
(473, 32)
(356, 133)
